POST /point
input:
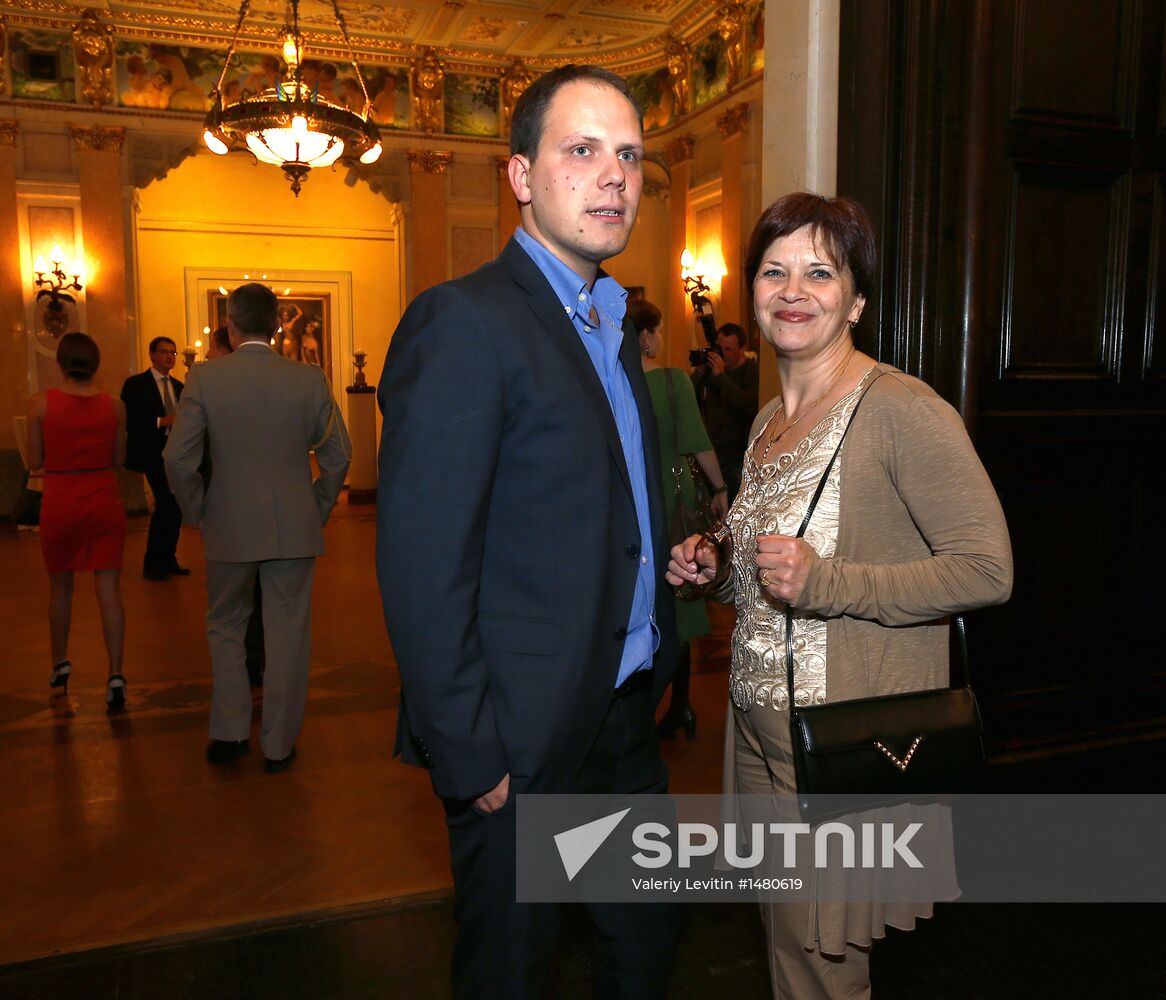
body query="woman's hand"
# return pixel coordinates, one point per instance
(719, 505)
(783, 566)
(691, 562)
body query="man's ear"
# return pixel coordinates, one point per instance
(518, 170)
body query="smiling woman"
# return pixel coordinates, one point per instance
(906, 530)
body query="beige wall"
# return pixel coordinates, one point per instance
(222, 218)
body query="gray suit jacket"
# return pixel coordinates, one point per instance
(261, 415)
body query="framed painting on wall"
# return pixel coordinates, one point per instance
(305, 326)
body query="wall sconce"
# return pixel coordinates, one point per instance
(54, 285)
(692, 273)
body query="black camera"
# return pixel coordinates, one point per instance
(700, 356)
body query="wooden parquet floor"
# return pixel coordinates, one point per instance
(118, 830)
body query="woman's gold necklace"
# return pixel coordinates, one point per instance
(793, 423)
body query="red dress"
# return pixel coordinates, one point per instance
(82, 520)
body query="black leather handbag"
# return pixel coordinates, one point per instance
(893, 748)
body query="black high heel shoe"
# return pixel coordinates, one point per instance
(115, 694)
(59, 678)
(673, 719)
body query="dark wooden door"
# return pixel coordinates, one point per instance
(1012, 155)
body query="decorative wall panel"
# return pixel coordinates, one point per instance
(1063, 306)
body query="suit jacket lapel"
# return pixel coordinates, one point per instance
(546, 307)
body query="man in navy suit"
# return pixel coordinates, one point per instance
(521, 537)
(151, 400)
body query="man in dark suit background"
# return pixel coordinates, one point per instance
(151, 400)
(521, 542)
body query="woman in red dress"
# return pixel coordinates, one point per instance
(78, 435)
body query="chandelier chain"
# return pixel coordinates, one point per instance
(244, 7)
(351, 52)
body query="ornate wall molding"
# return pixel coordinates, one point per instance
(98, 138)
(3, 55)
(8, 129)
(734, 121)
(152, 157)
(428, 161)
(679, 150)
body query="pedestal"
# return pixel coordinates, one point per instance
(362, 429)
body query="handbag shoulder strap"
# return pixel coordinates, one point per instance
(675, 441)
(957, 621)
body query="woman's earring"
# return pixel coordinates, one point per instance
(853, 323)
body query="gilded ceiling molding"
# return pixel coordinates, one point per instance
(733, 121)
(514, 83)
(679, 150)
(428, 77)
(428, 161)
(731, 20)
(678, 58)
(93, 51)
(98, 137)
(8, 129)
(657, 189)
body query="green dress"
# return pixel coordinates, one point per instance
(691, 617)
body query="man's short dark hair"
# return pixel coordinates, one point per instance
(221, 338)
(255, 310)
(530, 111)
(161, 340)
(78, 356)
(734, 330)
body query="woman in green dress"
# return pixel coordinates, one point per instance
(688, 433)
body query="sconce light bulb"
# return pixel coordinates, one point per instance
(214, 143)
(686, 260)
(206, 330)
(56, 255)
(223, 291)
(372, 154)
(198, 345)
(40, 266)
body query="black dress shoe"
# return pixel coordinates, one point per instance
(226, 751)
(275, 766)
(155, 574)
(177, 570)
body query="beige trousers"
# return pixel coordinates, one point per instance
(798, 969)
(287, 635)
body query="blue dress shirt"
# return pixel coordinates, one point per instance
(602, 343)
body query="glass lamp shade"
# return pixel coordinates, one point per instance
(291, 145)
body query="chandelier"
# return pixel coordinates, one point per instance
(291, 125)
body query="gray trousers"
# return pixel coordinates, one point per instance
(287, 632)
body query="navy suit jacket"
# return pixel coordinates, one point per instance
(144, 438)
(507, 539)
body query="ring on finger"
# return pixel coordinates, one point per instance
(764, 578)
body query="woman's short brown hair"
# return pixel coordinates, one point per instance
(644, 315)
(840, 225)
(78, 356)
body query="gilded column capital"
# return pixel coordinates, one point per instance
(734, 121)
(428, 161)
(502, 163)
(8, 129)
(98, 137)
(679, 150)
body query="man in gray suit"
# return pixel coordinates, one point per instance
(262, 514)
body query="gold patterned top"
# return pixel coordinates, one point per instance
(772, 501)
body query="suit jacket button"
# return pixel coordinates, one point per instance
(633, 551)
(621, 632)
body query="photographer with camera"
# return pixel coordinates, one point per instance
(726, 384)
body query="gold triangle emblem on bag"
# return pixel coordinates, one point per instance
(900, 764)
